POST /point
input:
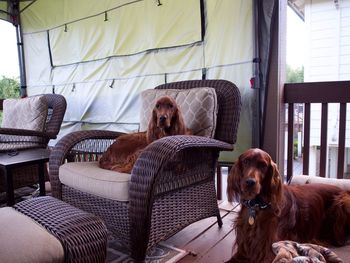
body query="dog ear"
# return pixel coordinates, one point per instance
(178, 123)
(151, 133)
(233, 183)
(275, 188)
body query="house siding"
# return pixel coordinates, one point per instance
(328, 59)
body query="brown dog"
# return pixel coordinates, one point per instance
(272, 211)
(166, 120)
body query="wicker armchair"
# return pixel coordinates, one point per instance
(20, 139)
(172, 183)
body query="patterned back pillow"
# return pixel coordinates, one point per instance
(198, 106)
(27, 113)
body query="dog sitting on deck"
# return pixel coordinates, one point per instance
(166, 120)
(272, 211)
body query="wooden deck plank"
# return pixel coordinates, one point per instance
(221, 252)
(194, 230)
(190, 232)
(204, 243)
(204, 240)
(201, 238)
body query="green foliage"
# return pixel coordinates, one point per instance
(9, 88)
(295, 75)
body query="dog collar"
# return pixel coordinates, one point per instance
(253, 205)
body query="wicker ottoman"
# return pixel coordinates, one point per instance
(45, 229)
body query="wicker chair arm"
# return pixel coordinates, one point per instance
(146, 172)
(152, 176)
(23, 132)
(63, 147)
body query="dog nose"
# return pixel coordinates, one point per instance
(250, 182)
(162, 118)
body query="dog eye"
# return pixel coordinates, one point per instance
(157, 106)
(245, 162)
(170, 106)
(262, 165)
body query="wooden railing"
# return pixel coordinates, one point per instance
(317, 92)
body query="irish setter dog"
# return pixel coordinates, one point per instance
(166, 120)
(271, 211)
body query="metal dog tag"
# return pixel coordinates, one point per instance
(251, 219)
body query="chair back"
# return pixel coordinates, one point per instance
(229, 105)
(57, 107)
(16, 139)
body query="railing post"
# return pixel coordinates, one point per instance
(341, 141)
(290, 144)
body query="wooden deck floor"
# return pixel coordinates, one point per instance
(205, 241)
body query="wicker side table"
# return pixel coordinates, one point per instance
(23, 158)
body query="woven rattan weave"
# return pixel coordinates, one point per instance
(172, 183)
(17, 139)
(82, 235)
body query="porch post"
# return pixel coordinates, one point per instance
(274, 126)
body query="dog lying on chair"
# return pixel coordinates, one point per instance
(272, 211)
(166, 120)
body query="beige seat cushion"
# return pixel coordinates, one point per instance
(24, 240)
(308, 179)
(90, 178)
(198, 106)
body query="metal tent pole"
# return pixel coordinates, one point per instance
(15, 19)
(256, 82)
(22, 69)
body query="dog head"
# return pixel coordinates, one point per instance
(254, 174)
(165, 112)
(166, 119)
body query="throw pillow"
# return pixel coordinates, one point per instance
(198, 106)
(27, 113)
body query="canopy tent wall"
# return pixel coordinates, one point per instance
(100, 57)
(101, 54)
